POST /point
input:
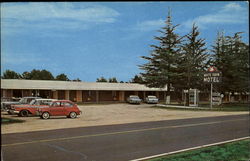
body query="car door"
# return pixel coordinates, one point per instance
(68, 107)
(56, 109)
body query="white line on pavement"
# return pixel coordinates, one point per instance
(193, 148)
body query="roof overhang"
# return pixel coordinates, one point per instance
(70, 85)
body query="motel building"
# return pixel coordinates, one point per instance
(82, 92)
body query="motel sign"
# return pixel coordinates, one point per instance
(212, 76)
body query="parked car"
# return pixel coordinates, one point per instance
(30, 109)
(23, 101)
(59, 108)
(151, 99)
(134, 99)
(8, 100)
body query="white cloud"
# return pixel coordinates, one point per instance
(60, 15)
(150, 25)
(231, 13)
(20, 58)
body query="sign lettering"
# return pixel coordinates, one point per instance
(212, 76)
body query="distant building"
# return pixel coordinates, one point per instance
(77, 91)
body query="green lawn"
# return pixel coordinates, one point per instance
(236, 151)
(231, 107)
(10, 120)
(223, 107)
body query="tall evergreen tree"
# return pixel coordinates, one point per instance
(161, 69)
(193, 62)
(232, 59)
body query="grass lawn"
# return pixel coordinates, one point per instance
(10, 120)
(231, 107)
(223, 107)
(236, 151)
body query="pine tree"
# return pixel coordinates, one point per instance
(161, 69)
(193, 62)
(232, 59)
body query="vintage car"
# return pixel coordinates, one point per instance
(8, 100)
(151, 99)
(59, 108)
(23, 101)
(30, 109)
(133, 99)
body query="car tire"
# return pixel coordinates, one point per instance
(72, 115)
(24, 113)
(45, 115)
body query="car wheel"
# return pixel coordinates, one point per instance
(24, 113)
(72, 115)
(45, 115)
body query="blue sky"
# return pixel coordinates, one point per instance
(88, 40)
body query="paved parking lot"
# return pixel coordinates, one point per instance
(94, 115)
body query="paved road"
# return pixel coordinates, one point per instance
(122, 142)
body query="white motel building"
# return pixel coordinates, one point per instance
(86, 92)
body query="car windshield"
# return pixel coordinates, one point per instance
(32, 102)
(151, 97)
(23, 100)
(49, 103)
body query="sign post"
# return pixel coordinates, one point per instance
(211, 97)
(212, 76)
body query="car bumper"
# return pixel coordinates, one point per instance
(152, 102)
(135, 102)
(13, 111)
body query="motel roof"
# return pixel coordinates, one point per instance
(70, 85)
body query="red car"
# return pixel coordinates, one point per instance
(60, 108)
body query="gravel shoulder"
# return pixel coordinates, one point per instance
(94, 115)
